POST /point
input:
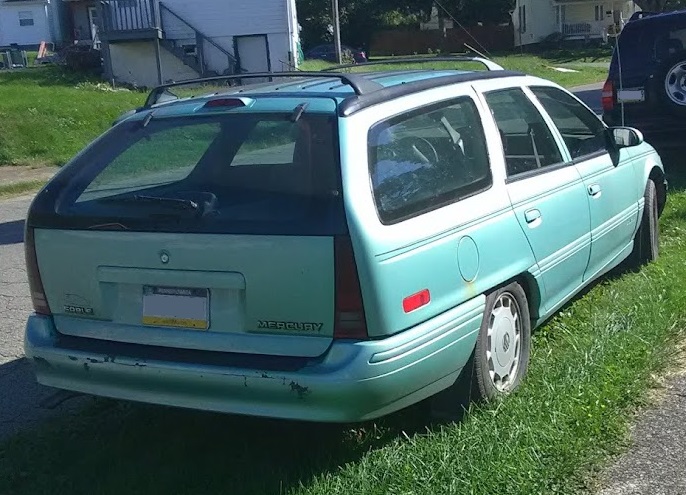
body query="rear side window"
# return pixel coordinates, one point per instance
(234, 173)
(426, 159)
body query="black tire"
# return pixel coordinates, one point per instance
(484, 379)
(647, 240)
(660, 78)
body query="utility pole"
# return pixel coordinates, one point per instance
(336, 31)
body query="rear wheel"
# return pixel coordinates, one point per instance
(501, 356)
(646, 242)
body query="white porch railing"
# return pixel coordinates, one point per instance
(584, 29)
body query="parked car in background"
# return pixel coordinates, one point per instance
(328, 53)
(331, 246)
(646, 84)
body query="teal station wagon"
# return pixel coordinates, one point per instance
(330, 246)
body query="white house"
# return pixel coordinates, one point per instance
(28, 22)
(145, 42)
(534, 20)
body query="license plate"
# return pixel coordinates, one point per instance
(630, 95)
(176, 307)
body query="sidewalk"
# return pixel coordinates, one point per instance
(654, 465)
(10, 174)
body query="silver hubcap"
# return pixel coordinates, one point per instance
(675, 84)
(504, 342)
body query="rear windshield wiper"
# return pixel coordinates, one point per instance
(180, 203)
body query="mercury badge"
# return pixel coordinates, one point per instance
(164, 257)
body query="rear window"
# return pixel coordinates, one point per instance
(237, 173)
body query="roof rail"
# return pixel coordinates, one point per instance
(358, 83)
(490, 65)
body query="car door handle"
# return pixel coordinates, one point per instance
(594, 190)
(533, 217)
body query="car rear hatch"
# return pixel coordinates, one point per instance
(199, 226)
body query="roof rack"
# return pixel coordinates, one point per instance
(490, 65)
(358, 83)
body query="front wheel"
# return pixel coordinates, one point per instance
(501, 356)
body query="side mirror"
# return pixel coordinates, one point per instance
(626, 137)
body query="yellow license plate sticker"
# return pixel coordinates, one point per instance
(176, 307)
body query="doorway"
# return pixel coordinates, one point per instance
(252, 53)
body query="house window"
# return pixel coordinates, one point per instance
(25, 18)
(599, 12)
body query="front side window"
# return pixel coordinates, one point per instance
(427, 159)
(528, 143)
(583, 133)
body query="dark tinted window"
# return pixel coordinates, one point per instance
(240, 173)
(527, 141)
(581, 130)
(427, 159)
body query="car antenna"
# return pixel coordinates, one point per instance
(621, 83)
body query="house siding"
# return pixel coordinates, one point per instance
(540, 21)
(222, 21)
(541, 17)
(134, 63)
(11, 32)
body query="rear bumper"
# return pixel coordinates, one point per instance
(354, 381)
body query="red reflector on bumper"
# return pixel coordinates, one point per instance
(416, 301)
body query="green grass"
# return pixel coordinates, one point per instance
(538, 64)
(47, 115)
(592, 365)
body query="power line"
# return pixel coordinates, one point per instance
(461, 26)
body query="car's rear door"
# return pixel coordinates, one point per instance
(213, 231)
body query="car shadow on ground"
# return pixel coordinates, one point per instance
(24, 403)
(111, 445)
(12, 232)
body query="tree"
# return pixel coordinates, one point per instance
(358, 18)
(361, 18)
(660, 5)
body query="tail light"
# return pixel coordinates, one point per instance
(40, 302)
(350, 320)
(608, 96)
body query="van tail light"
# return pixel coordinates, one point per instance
(40, 302)
(350, 320)
(608, 96)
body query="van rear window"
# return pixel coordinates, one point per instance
(236, 173)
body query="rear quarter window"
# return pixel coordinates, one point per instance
(426, 159)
